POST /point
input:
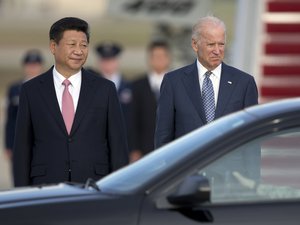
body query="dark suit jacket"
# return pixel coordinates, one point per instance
(180, 108)
(125, 94)
(13, 95)
(144, 105)
(43, 150)
(125, 97)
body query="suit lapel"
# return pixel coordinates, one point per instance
(48, 93)
(191, 82)
(227, 85)
(152, 98)
(85, 97)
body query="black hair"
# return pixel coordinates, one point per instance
(158, 44)
(68, 23)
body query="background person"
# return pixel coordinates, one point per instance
(145, 93)
(108, 66)
(32, 66)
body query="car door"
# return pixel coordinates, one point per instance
(257, 182)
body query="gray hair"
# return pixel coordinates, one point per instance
(198, 26)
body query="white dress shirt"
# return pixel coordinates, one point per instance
(74, 87)
(215, 78)
(155, 80)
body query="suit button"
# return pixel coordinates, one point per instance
(70, 139)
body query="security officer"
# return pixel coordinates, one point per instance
(32, 65)
(108, 66)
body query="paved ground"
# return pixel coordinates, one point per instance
(5, 171)
(5, 176)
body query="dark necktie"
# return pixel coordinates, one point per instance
(67, 107)
(208, 97)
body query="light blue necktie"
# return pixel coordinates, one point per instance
(208, 97)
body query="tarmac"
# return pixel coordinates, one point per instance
(5, 172)
(5, 164)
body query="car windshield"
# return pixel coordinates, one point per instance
(136, 175)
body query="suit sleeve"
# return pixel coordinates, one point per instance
(117, 137)
(251, 96)
(23, 143)
(165, 130)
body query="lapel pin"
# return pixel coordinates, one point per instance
(229, 82)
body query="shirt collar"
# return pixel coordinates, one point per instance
(74, 79)
(202, 70)
(155, 79)
(116, 78)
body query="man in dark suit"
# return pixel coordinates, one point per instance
(184, 91)
(32, 65)
(69, 126)
(145, 92)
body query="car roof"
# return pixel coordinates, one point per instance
(274, 108)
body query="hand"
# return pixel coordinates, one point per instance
(135, 155)
(8, 154)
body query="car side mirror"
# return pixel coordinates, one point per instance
(193, 190)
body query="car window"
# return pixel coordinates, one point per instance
(265, 168)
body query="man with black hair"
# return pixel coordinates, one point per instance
(69, 126)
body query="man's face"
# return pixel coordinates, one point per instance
(108, 66)
(70, 53)
(159, 59)
(210, 47)
(32, 70)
